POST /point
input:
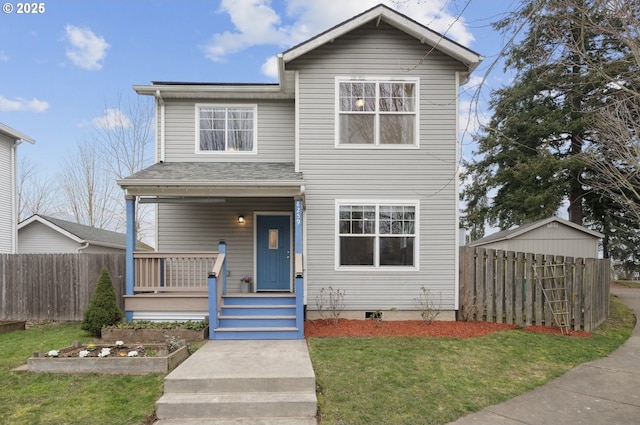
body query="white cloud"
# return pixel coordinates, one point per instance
(20, 104)
(3, 56)
(270, 67)
(257, 23)
(113, 119)
(86, 49)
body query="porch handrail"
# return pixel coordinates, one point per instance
(172, 271)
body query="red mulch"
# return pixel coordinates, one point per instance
(460, 329)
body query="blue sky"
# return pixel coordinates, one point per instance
(60, 69)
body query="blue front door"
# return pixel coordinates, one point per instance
(273, 253)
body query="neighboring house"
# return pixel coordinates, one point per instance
(553, 236)
(9, 141)
(40, 234)
(342, 175)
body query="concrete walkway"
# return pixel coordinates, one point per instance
(604, 391)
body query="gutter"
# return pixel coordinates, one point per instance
(160, 101)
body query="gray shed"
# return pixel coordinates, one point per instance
(553, 235)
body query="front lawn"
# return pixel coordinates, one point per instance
(418, 380)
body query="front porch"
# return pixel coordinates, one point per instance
(259, 223)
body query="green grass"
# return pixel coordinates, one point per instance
(48, 399)
(382, 380)
(413, 380)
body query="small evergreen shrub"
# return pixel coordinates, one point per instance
(103, 309)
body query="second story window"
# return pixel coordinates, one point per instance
(377, 113)
(226, 128)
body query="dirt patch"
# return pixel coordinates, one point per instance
(459, 329)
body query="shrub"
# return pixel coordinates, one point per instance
(330, 303)
(103, 309)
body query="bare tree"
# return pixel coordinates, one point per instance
(124, 132)
(89, 193)
(36, 193)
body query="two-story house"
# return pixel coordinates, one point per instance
(341, 175)
(9, 141)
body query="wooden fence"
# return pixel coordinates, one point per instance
(503, 286)
(54, 286)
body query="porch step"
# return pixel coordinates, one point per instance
(257, 333)
(266, 316)
(241, 383)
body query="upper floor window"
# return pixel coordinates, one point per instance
(226, 128)
(377, 113)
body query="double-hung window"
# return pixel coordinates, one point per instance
(225, 128)
(377, 234)
(379, 113)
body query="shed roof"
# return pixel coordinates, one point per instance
(81, 233)
(517, 231)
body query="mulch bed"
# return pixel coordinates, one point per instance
(459, 329)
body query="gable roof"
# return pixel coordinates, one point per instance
(82, 234)
(517, 231)
(15, 134)
(402, 22)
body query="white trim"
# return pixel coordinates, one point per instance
(14, 134)
(377, 203)
(13, 161)
(397, 20)
(199, 106)
(296, 130)
(255, 244)
(377, 79)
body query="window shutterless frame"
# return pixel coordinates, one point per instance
(377, 234)
(377, 113)
(226, 129)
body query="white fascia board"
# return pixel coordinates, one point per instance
(425, 35)
(200, 91)
(15, 134)
(52, 226)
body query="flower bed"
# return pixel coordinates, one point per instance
(153, 335)
(9, 326)
(115, 359)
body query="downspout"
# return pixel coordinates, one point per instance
(456, 291)
(160, 101)
(85, 246)
(13, 160)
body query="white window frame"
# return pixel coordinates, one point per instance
(200, 106)
(377, 144)
(376, 254)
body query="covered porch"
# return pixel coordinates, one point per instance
(252, 217)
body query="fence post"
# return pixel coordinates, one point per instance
(129, 248)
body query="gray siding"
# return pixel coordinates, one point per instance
(554, 240)
(36, 238)
(7, 190)
(199, 227)
(426, 174)
(275, 132)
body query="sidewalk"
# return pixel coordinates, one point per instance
(604, 391)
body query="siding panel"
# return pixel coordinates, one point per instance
(426, 174)
(7, 188)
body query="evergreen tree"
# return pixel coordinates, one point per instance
(103, 309)
(531, 157)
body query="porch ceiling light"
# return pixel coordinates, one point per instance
(240, 219)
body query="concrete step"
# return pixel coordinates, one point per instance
(236, 405)
(240, 385)
(239, 421)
